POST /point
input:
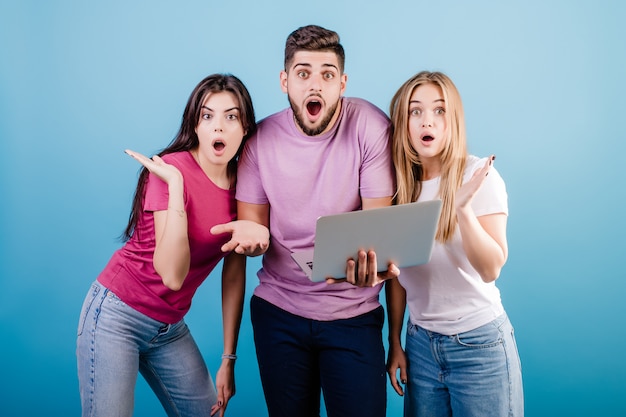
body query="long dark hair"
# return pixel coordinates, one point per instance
(186, 139)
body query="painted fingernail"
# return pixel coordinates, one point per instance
(404, 381)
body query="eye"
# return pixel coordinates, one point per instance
(439, 111)
(329, 75)
(232, 116)
(415, 112)
(206, 116)
(303, 74)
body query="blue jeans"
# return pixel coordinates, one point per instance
(299, 358)
(476, 373)
(115, 342)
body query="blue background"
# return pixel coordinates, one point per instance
(543, 88)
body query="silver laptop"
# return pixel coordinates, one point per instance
(401, 234)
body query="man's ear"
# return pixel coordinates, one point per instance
(344, 82)
(283, 81)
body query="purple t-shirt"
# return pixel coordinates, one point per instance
(302, 178)
(130, 272)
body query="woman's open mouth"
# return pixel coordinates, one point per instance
(219, 146)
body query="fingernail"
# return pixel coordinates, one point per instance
(219, 403)
(404, 381)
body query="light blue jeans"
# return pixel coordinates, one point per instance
(115, 342)
(476, 373)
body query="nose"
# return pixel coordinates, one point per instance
(315, 82)
(427, 122)
(217, 124)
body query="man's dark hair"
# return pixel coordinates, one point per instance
(313, 38)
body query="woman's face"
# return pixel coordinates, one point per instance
(220, 130)
(427, 121)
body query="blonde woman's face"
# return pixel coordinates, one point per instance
(427, 121)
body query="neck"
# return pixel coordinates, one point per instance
(218, 174)
(431, 168)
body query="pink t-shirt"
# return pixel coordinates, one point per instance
(130, 272)
(302, 178)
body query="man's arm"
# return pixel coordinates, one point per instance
(258, 213)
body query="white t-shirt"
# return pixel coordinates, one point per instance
(447, 295)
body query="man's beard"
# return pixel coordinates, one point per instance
(312, 131)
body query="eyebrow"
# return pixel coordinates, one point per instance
(304, 64)
(419, 102)
(227, 110)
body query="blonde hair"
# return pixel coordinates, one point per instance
(409, 171)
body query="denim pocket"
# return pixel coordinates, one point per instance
(482, 337)
(91, 295)
(411, 329)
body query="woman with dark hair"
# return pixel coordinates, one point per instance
(180, 227)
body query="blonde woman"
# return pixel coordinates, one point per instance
(460, 356)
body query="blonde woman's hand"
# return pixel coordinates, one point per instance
(397, 366)
(467, 191)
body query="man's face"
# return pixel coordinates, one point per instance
(314, 86)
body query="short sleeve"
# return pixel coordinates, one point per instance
(156, 195)
(249, 184)
(492, 197)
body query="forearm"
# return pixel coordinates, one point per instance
(172, 254)
(259, 213)
(233, 292)
(395, 296)
(370, 203)
(484, 242)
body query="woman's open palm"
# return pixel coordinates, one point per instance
(157, 166)
(467, 191)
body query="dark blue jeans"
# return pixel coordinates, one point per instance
(299, 358)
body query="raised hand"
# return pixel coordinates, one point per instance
(157, 166)
(466, 193)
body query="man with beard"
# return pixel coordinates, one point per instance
(325, 154)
